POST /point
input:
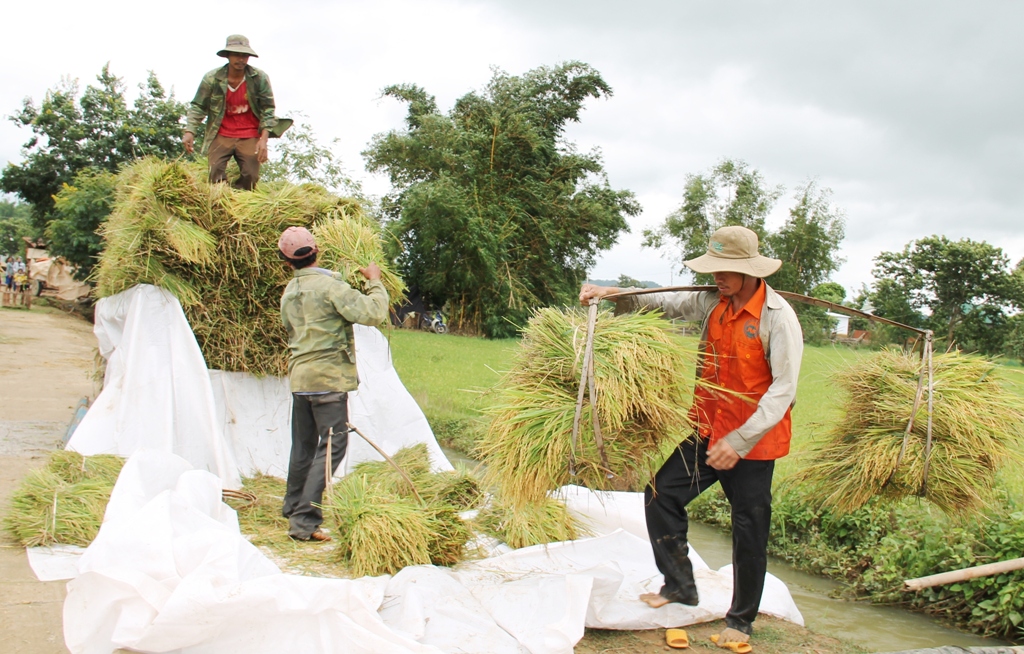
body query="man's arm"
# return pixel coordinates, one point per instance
(265, 102)
(685, 305)
(369, 309)
(197, 111)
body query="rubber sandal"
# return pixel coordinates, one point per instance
(677, 638)
(738, 648)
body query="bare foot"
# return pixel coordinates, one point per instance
(730, 635)
(654, 600)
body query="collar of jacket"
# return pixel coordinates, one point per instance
(222, 74)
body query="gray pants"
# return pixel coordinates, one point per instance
(313, 418)
(222, 149)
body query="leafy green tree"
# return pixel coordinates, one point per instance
(956, 288)
(298, 157)
(625, 281)
(79, 210)
(808, 242)
(494, 212)
(15, 223)
(731, 193)
(97, 130)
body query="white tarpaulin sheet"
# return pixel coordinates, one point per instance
(170, 572)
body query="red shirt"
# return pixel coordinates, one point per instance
(239, 121)
(734, 359)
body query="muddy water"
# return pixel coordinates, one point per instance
(875, 628)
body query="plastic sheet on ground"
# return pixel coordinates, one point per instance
(54, 562)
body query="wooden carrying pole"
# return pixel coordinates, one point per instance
(954, 576)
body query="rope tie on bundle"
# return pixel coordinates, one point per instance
(587, 385)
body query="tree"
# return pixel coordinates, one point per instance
(98, 130)
(79, 210)
(299, 158)
(807, 243)
(493, 211)
(957, 288)
(732, 193)
(15, 223)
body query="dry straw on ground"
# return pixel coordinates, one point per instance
(215, 249)
(380, 525)
(64, 501)
(977, 426)
(643, 376)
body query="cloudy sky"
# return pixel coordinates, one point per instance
(911, 112)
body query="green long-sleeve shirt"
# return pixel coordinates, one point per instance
(318, 311)
(209, 103)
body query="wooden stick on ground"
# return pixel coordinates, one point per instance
(954, 576)
(389, 460)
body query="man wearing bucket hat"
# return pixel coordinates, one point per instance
(318, 309)
(237, 103)
(751, 345)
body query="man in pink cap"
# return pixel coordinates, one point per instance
(318, 309)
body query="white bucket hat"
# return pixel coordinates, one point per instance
(734, 249)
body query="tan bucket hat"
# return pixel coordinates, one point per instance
(238, 44)
(734, 249)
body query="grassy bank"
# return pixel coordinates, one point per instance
(873, 549)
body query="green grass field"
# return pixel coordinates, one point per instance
(449, 376)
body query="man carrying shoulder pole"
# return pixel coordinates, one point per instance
(751, 345)
(318, 309)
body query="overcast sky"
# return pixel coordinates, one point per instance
(911, 112)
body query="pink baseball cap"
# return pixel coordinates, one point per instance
(296, 243)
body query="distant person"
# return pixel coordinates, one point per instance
(237, 103)
(751, 345)
(9, 273)
(318, 309)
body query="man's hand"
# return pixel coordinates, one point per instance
(261, 147)
(372, 271)
(592, 291)
(721, 456)
(189, 141)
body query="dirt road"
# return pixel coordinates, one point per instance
(46, 366)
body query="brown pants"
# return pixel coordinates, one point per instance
(244, 152)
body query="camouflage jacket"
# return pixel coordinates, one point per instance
(318, 311)
(209, 102)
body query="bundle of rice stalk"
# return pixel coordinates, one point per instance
(643, 376)
(378, 532)
(977, 425)
(64, 501)
(457, 488)
(529, 523)
(215, 249)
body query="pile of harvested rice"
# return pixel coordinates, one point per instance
(643, 392)
(977, 425)
(215, 249)
(64, 501)
(381, 524)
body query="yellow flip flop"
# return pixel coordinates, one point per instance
(677, 638)
(738, 648)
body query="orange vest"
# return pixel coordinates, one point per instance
(734, 359)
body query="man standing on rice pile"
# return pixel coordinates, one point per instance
(237, 103)
(751, 346)
(318, 309)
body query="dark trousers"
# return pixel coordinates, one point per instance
(244, 152)
(313, 418)
(748, 486)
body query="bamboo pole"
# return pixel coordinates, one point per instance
(954, 576)
(387, 458)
